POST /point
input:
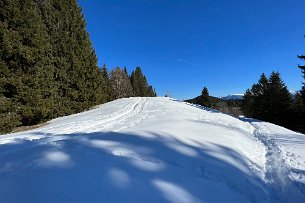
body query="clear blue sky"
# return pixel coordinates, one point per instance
(183, 45)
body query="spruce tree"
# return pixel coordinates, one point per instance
(139, 83)
(126, 72)
(48, 66)
(77, 78)
(247, 106)
(268, 100)
(140, 86)
(259, 99)
(255, 99)
(105, 83)
(205, 98)
(24, 62)
(296, 119)
(302, 67)
(277, 101)
(120, 83)
(302, 109)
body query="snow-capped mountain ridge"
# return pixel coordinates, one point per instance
(240, 96)
(232, 97)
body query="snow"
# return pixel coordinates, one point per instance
(153, 150)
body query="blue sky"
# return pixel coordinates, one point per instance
(183, 45)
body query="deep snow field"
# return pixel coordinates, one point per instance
(152, 150)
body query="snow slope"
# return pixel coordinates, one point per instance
(152, 150)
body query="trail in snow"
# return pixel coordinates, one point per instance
(152, 150)
(284, 180)
(113, 118)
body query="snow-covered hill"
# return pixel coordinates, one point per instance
(152, 150)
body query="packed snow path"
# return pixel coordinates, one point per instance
(152, 150)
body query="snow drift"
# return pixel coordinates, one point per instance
(153, 150)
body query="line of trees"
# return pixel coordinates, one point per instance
(229, 107)
(48, 66)
(270, 100)
(124, 85)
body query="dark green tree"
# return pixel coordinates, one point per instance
(24, 63)
(296, 119)
(205, 98)
(247, 105)
(120, 84)
(106, 85)
(77, 78)
(302, 67)
(259, 100)
(48, 65)
(140, 85)
(301, 111)
(151, 92)
(126, 72)
(268, 100)
(253, 104)
(279, 100)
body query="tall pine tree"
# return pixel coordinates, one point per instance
(247, 106)
(120, 83)
(278, 99)
(140, 85)
(259, 92)
(48, 65)
(77, 78)
(204, 99)
(24, 62)
(302, 67)
(268, 100)
(105, 83)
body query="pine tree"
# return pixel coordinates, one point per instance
(268, 100)
(255, 99)
(120, 83)
(140, 86)
(302, 67)
(23, 55)
(259, 99)
(278, 100)
(302, 109)
(205, 98)
(77, 77)
(106, 85)
(126, 72)
(247, 106)
(296, 119)
(139, 83)
(48, 66)
(151, 92)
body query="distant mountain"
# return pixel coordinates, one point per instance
(293, 94)
(233, 97)
(240, 96)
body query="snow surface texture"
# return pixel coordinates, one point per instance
(152, 150)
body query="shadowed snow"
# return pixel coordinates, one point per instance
(152, 150)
